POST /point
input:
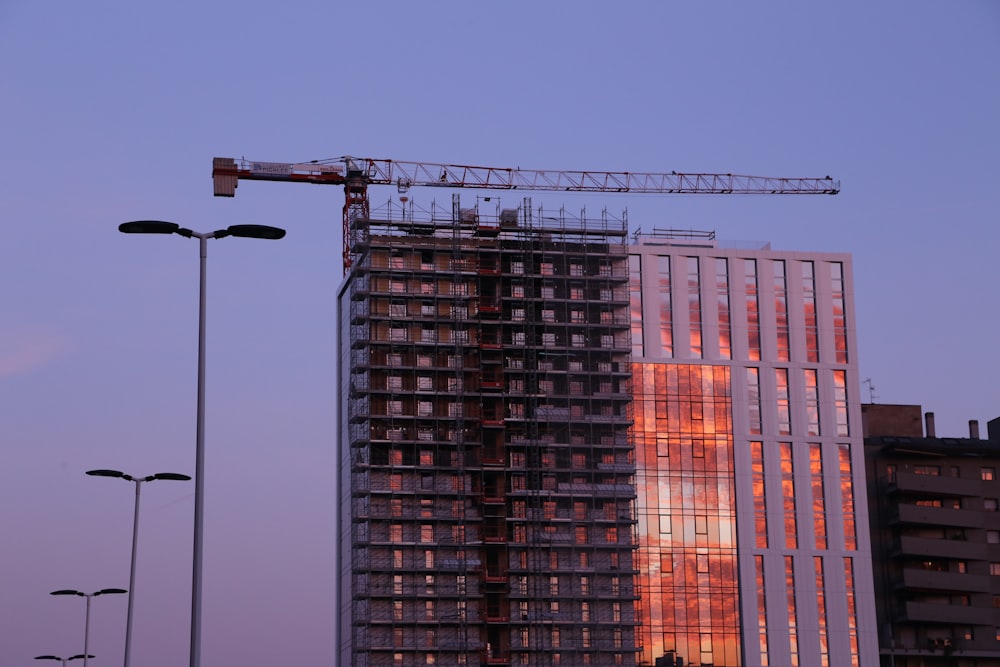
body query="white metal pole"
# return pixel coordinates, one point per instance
(199, 469)
(86, 631)
(131, 576)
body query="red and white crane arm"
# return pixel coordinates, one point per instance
(356, 174)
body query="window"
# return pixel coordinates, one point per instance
(990, 504)
(988, 474)
(993, 536)
(995, 569)
(394, 383)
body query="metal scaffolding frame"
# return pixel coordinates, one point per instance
(492, 476)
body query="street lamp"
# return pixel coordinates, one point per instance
(86, 625)
(245, 231)
(63, 660)
(135, 536)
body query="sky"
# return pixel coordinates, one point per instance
(112, 111)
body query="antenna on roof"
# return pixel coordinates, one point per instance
(871, 390)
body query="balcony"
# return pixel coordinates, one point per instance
(958, 549)
(934, 485)
(931, 580)
(938, 516)
(924, 612)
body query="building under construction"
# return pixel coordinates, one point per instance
(561, 448)
(487, 476)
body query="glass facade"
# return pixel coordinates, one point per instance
(749, 333)
(687, 513)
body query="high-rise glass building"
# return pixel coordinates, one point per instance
(560, 447)
(752, 528)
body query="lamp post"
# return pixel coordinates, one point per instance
(86, 624)
(63, 660)
(245, 231)
(135, 538)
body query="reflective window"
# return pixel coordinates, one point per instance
(812, 401)
(753, 309)
(666, 308)
(847, 496)
(722, 299)
(759, 497)
(784, 424)
(840, 402)
(758, 562)
(788, 495)
(781, 310)
(793, 615)
(818, 498)
(839, 316)
(809, 311)
(635, 302)
(753, 399)
(852, 614)
(687, 513)
(824, 641)
(694, 306)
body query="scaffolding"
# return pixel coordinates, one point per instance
(492, 476)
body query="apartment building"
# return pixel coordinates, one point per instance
(935, 538)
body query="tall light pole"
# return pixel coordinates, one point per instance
(135, 539)
(245, 231)
(63, 660)
(86, 624)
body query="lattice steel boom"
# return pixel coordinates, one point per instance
(356, 174)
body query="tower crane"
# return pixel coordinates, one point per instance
(356, 174)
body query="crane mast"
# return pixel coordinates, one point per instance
(356, 174)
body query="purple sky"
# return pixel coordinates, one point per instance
(112, 111)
